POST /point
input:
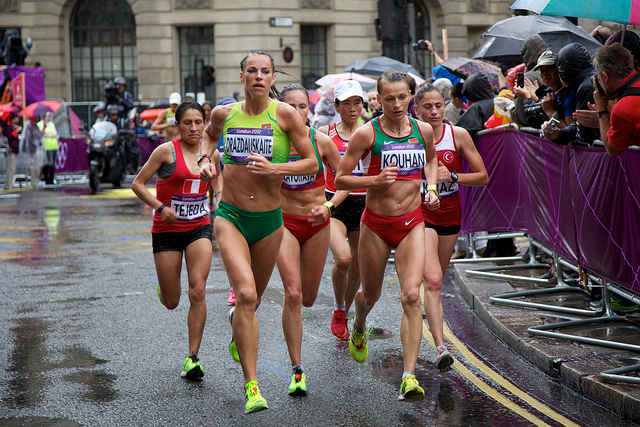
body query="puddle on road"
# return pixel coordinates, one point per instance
(31, 359)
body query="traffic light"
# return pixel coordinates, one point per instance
(208, 75)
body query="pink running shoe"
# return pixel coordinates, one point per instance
(232, 297)
(339, 325)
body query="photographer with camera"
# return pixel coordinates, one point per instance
(115, 93)
(576, 71)
(617, 79)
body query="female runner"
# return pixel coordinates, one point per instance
(442, 226)
(397, 148)
(345, 223)
(306, 236)
(258, 134)
(180, 223)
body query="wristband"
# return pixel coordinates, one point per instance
(201, 158)
(332, 209)
(602, 113)
(434, 188)
(162, 206)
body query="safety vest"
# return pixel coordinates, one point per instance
(51, 142)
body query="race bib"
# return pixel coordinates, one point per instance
(190, 207)
(239, 142)
(297, 182)
(409, 158)
(358, 170)
(445, 189)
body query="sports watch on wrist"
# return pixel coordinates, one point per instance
(454, 176)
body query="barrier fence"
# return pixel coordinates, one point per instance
(72, 153)
(578, 201)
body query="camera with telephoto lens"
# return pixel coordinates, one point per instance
(111, 95)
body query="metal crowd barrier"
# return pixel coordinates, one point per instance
(554, 330)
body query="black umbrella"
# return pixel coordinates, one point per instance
(500, 49)
(378, 65)
(160, 103)
(556, 31)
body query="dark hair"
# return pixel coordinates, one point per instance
(614, 60)
(290, 88)
(456, 90)
(424, 89)
(188, 105)
(207, 103)
(393, 77)
(273, 91)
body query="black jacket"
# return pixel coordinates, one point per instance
(576, 70)
(478, 90)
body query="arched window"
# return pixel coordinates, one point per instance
(103, 46)
(423, 31)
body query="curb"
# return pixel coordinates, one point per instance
(577, 366)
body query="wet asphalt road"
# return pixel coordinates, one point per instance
(85, 341)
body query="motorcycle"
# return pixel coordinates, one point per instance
(106, 151)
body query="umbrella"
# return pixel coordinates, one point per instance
(622, 11)
(6, 109)
(500, 49)
(556, 31)
(367, 83)
(151, 114)
(40, 107)
(160, 103)
(464, 67)
(378, 65)
(314, 96)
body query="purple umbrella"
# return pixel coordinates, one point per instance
(464, 67)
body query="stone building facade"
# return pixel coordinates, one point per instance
(84, 43)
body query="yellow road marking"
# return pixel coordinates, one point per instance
(499, 397)
(118, 193)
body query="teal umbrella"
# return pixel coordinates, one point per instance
(622, 11)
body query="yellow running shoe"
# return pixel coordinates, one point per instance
(254, 401)
(358, 345)
(410, 390)
(298, 386)
(192, 368)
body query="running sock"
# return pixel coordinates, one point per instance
(294, 368)
(337, 306)
(441, 348)
(407, 373)
(360, 330)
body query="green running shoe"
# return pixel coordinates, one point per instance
(358, 345)
(410, 390)
(232, 345)
(298, 386)
(160, 295)
(233, 350)
(192, 368)
(254, 401)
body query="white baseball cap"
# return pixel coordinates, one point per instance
(175, 98)
(346, 89)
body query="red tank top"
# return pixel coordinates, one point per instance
(331, 175)
(186, 194)
(450, 211)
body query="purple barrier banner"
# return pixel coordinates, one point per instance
(72, 155)
(578, 201)
(33, 79)
(147, 145)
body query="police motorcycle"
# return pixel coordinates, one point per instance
(105, 149)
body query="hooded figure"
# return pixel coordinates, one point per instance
(478, 90)
(576, 71)
(532, 48)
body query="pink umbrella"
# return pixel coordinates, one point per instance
(333, 79)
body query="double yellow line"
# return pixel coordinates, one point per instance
(469, 358)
